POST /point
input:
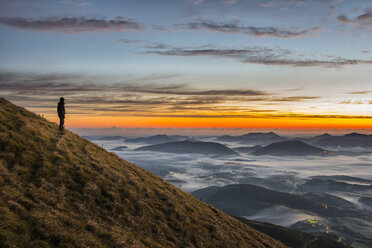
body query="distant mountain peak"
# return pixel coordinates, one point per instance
(355, 134)
(159, 136)
(291, 148)
(323, 135)
(268, 134)
(253, 138)
(190, 146)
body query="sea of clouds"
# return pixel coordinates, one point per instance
(195, 171)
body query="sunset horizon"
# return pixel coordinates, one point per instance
(299, 65)
(186, 123)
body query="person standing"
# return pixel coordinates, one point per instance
(61, 113)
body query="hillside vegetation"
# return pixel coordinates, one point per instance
(59, 190)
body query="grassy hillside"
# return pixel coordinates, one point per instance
(64, 191)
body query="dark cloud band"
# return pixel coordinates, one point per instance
(72, 24)
(258, 55)
(364, 19)
(235, 28)
(92, 97)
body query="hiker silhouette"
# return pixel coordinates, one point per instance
(61, 113)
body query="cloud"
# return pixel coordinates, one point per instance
(258, 55)
(293, 98)
(71, 25)
(76, 3)
(364, 19)
(354, 102)
(254, 114)
(128, 41)
(235, 28)
(196, 2)
(161, 28)
(283, 4)
(361, 92)
(87, 96)
(75, 83)
(229, 2)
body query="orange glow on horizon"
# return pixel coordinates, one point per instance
(75, 121)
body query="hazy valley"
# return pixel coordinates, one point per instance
(298, 180)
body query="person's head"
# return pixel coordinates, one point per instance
(62, 99)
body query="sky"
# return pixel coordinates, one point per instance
(232, 65)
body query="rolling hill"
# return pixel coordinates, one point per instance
(60, 190)
(181, 147)
(253, 138)
(348, 140)
(247, 199)
(247, 150)
(320, 185)
(291, 148)
(157, 139)
(292, 237)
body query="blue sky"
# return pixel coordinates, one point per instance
(317, 52)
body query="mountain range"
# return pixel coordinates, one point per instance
(348, 140)
(253, 138)
(324, 140)
(291, 148)
(247, 150)
(346, 221)
(247, 199)
(157, 139)
(181, 147)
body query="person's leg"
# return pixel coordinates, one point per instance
(61, 123)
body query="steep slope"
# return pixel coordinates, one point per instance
(291, 148)
(59, 190)
(186, 146)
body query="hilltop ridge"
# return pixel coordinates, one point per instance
(291, 148)
(60, 190)
(187, 146)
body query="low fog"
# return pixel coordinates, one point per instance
(194, 171)
(289, 174)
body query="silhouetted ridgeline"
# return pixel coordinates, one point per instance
(291, 148)
(253, 138)
(64, 191)
(186, 146)
(157, 139)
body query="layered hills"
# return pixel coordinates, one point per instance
(60, 190)
(348, 140)
(253, 138)
(157, 139)
(186, 146)
(291, 148)
(247, 199)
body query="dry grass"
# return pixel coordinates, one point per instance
(64, 191)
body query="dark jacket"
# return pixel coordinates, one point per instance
(61, 110)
